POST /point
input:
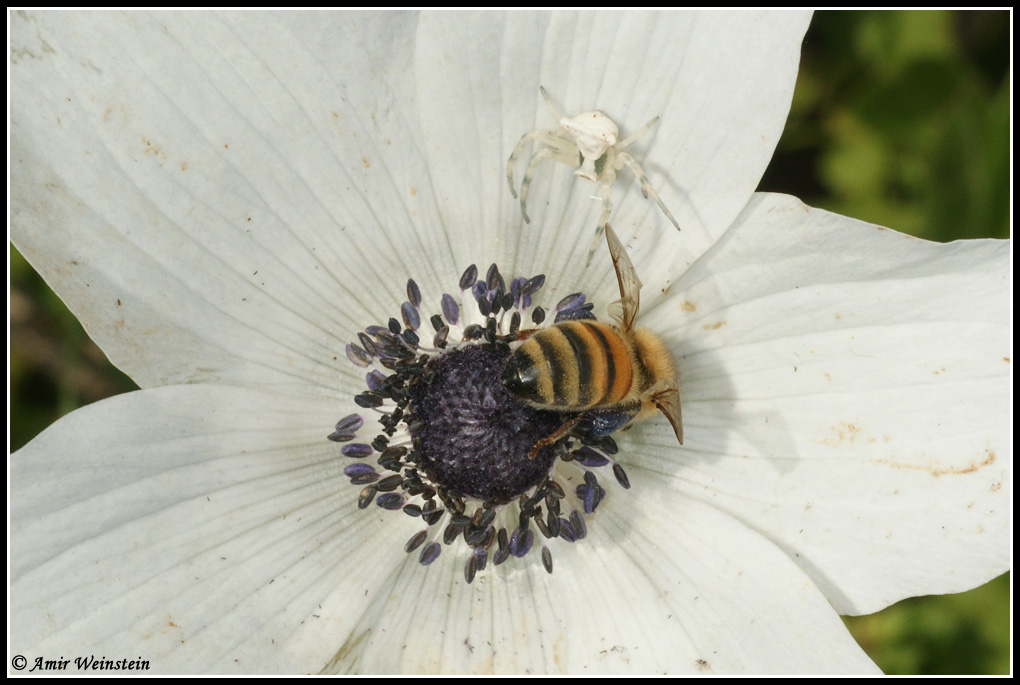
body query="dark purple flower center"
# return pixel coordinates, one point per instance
(475, 437)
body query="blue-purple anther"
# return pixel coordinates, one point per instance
(357, 450)
(410, 315)
(359, 469)
(590, 457)
(521, 542)
(391, 501)
(358, 355)
(469, 277)
(429, 554)
(450, 309)
(479, 291)
(374, 379)
(572, 301)
(346, 429)
(413, 293)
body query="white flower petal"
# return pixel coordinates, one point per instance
(190, 181)
(201, 528)
(846, 393)
(663, 584)
(705, 156)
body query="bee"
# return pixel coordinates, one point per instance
(608, 375)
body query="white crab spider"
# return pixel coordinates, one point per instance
(590, 140)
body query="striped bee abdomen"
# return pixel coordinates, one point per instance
(572, 365)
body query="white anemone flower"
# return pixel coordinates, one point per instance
(225, 201)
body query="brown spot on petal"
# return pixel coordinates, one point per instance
(152, 149)
(557, 647)
(347, 648)
(844, 433)
(715, 326)
(987, 459)
(688, 306)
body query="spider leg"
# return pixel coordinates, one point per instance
(646, 186)
(554, 139)
(634, 136)
(516, 154)
(599, 230)
(555, 147)
(608, 177)
(552, 108)
(529, 175)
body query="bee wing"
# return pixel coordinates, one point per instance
(665, 395)
(624, 310)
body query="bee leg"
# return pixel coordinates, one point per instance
(526, 333)
(665, 395)
(554, 436)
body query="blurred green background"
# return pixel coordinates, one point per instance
(899, 118)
